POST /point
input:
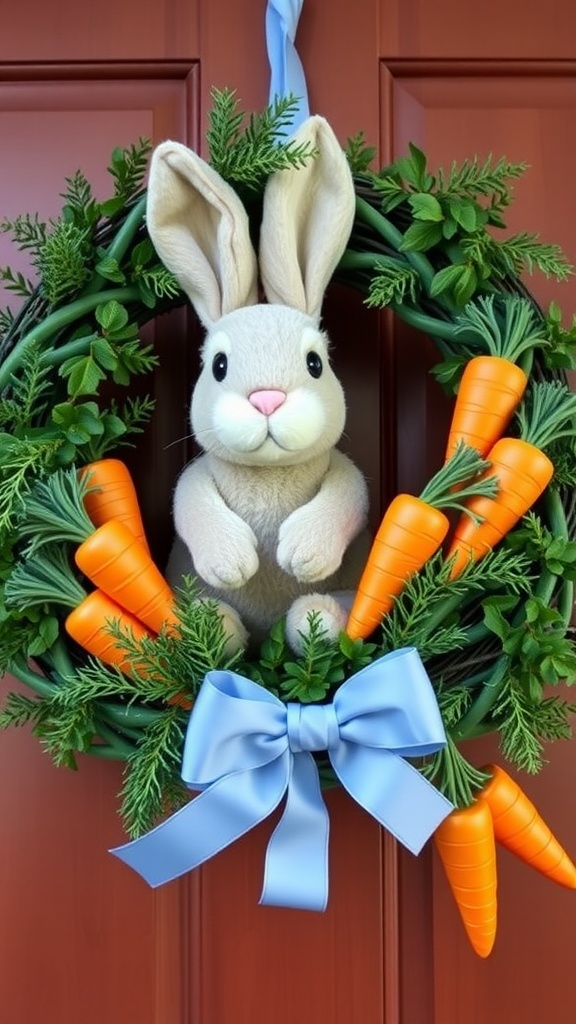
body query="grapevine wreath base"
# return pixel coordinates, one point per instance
(492, 632)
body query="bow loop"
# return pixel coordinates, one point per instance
(246, 750)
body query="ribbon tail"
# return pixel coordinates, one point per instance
(286, 71)
(392, 791)
(211, 821)
(296, 870)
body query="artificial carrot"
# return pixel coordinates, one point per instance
(492, 384)
(111, 494)
(409, 534)
(519, 827)
(118, 563)
(465, 844)
(523, 473)
(89, 625)
(411, 531)
(521, 469)
(490, 389)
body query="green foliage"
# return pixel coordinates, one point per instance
(29, 398)
(524, 725)
(393, 283)
(358, 153)
(560, 353)
(128, 168)
(152, 786)
(244, 152)
(63, 261)
(452, 211)
(539, 651)
(539, 544)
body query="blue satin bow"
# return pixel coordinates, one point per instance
(286, 71)
(245, 750)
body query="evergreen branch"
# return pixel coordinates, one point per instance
(28, 231)
(472, 178)
(245, 155)
(393, 282)
(63, 260)
(128, 168)
(16, 282)
(151, 779)
(29, 396)
(523, 725)
(20, 462)
(525, 252)
(19, 710)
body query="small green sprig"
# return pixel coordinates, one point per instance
(524, 725)
(46, 579)
(504, 326)
(246, 152)
(463, 470)
(53, 511)
(547, 414)
(152, 786)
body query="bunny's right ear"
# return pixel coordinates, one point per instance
(200, 231)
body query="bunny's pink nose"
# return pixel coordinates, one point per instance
(267, 401)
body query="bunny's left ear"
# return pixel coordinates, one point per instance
(307, 220)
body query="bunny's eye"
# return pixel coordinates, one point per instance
(219, 366)
(314, 365)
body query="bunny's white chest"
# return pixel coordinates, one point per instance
(265, 497)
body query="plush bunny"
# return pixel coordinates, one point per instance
(269, 511)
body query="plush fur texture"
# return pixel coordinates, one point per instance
(270, 516)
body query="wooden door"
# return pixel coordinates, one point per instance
(81, 938)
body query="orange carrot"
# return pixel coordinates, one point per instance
(520, 828)
(117, 562)
(409, 534)
(465, 843)
(114, 495)
(87, 624)
(523, 473)
(490, 389)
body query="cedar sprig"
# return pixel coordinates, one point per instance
(524, 725)
(244, 152)
(152, 786)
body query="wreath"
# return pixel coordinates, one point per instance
(493, 630)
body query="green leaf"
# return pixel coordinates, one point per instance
(466, 285)
(446, 279)
(464, 212)
(420, 237)
(142, 254)
(111, 316)
(426, 207)
(84, 376)
(104, 354)
(109, 269)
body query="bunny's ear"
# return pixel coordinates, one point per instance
(199, 229)
(307, 220)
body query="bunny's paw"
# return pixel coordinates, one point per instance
(232, 559)
(308, 554)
